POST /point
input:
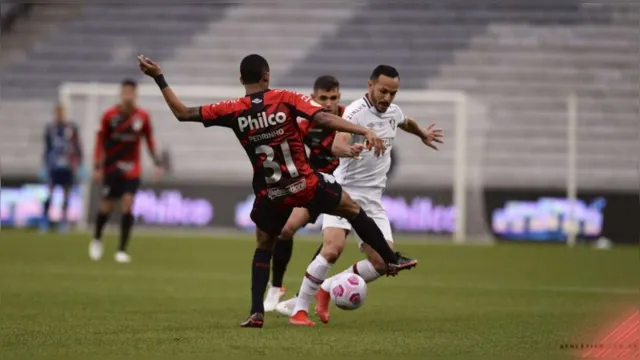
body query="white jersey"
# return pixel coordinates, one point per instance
(370, 171)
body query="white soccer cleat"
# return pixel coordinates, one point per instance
(122, 257)
(286, 307)
(273, 298)
(95, 250)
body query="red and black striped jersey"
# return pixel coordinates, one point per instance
(320, 140)
(118, 141)
(265, 124)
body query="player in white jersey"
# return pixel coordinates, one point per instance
(365, 180)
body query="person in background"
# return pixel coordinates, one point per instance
(118, 165)
(62, 160)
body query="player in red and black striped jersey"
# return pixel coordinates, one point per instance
(326, 92)
(264, 121)
(117, 165)
(319, 140)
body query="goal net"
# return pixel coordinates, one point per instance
(215, 156)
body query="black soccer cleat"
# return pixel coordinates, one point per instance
(254, 321)
(403, 263)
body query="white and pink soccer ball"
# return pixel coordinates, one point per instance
(348, 291)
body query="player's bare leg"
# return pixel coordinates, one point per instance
(333, 241)
(323, 297)
(126, 224)
(96, 246)
(285, 308)
(44, 221)
(259, 278)
(63, 225)
(282, 255)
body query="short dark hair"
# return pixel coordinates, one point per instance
(129, 82)
(386, 70)
(252, 68)
(326, 83)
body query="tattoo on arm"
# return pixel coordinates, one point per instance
(192, 114)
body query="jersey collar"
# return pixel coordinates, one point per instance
(367, 101)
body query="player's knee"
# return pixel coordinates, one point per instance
(127, 204)
(106, 206)
(264, 240)
(331, 253)
(287, 233)
(333, 244)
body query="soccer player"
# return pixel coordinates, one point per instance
(264, 121)
(365, 180)
(117, 165)
(62, 159)
(326, 92)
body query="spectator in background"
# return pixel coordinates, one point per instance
(62, 159)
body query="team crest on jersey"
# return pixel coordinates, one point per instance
(137, 124)
(392, 122)
(115, 119)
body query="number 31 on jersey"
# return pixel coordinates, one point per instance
(269, 162)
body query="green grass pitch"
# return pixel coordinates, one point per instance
(184, 296)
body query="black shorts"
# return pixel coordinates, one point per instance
(327, 197)
(271, 217)
(113, 187)
(61, 177)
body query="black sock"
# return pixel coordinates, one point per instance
(281, 257)
(45, 208)
(126, 223)
(259, 279)
(369, 232)
(65, 207)
(314, 257)
(101, 221)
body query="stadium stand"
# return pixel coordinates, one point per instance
(518, 59)
(517, 62)
(9, 12)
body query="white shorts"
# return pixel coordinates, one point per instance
(371, 202)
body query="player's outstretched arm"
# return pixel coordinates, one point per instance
(179, 110)
(337, 123)
(429, 136)
(342, 146)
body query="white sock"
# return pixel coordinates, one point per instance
(364, 268)
(316, 273)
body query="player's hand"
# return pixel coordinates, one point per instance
(148, 67)
(433, 135)
(97, 175)
(158, 173)
(374, 141)
(355, 150)
(43, 174)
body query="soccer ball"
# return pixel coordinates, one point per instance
(348, 291)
